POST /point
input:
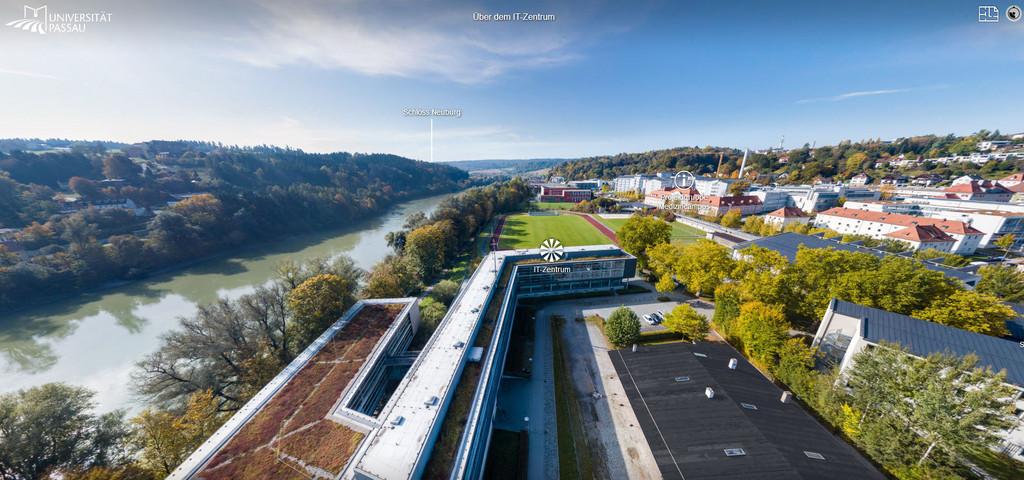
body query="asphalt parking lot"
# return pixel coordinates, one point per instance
(646, 305)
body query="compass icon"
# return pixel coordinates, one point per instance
(551, 250)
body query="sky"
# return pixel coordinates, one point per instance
(601, 78)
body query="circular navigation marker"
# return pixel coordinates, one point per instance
(684, 179)
(551, 250)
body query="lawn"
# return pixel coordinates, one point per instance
(574, 460)
(551, 205)
(680, 233)
(524, 231)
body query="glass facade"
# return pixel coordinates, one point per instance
(558, 278)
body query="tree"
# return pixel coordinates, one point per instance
(900, 285)
(622, 327)
(431, 312)
(727, 308)
(683, 319)
(759, 274)
(971, 311)
(51, 429)
(1005, 242)
(738, 188)
(445, 291)
(317, 303)
(428, 245)
(394, 276)
(1003, 281)
(938, 407)
(641, 233)
(120, 167)
(703, 265)
(217, 349)
(763, 330)
(165, 439)
(84, 187)
(855, 162)
(732, 219)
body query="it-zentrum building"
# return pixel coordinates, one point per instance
(360, 403)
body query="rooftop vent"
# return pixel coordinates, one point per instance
(709, 392)
(786, 397)
(748, 406)
(476, 354)
(701, 355)
(814, 455)
(735, 452)
(397, 421)
(459, 344)
(683, 379)
(732, 363)
(431, 401)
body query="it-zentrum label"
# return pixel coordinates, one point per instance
(42, 20)
(514, 17)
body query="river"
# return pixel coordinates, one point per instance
(94, 339)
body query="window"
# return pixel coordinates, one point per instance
(735, 452)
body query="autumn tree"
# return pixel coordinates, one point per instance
(971, 311)
(120, 167)
(763, 330)
(685, 320)
(317, 303)
(727, 308)
(84, 187)
(394, 276)
(759, 274)
(622, 327)
(164, 439)
(445, 291)
(1005, 242)
(640, 233)
(732, 219)
(703, 265)
(1003, 281)
(428, 245)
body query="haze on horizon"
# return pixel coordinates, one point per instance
(603, 78)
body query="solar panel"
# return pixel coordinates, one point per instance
(683, 379)
(814, 455)
(748, 406)
(735, 452)
(701, 355)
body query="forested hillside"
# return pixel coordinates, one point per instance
(804, 164)
(75, 216)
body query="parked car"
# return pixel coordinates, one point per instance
(649, 319)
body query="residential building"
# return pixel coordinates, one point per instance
(630, 183)
(656, 183)
(1011, 180)
(860, 179)
(992, 223)
(878, 225)
(924, 237)
(848, 328)
(564, 193)
(927, 179)
(789, 243)
(897, 180)
(786, 216)
(984, 190)
(990, 145)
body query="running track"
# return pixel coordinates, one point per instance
(496, 235)
(600, 227)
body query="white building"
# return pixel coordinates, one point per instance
(966, 239)
(848, 328)
(860, 179)
(713, 186)
(989, 145)
(630, 183)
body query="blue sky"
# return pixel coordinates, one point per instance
(605, 77)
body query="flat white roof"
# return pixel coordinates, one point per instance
(394, 451)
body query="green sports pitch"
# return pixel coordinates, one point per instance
(680, 233)
(525, 231)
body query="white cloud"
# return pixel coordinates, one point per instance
(403, 39)
(22, 73)
(869, 93)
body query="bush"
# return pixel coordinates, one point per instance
(622, 328)
(445, 291)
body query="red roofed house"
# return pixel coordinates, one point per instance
(1011, 180)
(785, 216)
(923, 237)
(979, 190)
(879, 225)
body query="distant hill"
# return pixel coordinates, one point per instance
(507, 166)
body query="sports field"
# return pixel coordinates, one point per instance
(524, 231)
(553, 205)
(680, 233)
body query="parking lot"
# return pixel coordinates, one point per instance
(646, 305)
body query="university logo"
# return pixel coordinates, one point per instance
(34, 20)
(551, 250)
(42, 21)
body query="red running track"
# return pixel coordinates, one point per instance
(600, 227)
